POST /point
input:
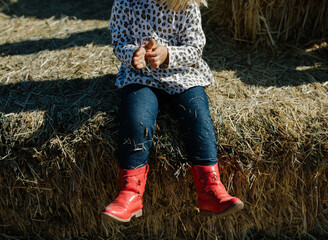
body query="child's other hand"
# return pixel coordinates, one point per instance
(156, 54)
(139, 60)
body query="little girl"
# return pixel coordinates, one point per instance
(160, 43)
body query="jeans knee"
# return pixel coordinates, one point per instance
(138, 130)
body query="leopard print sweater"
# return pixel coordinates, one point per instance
(134, 22)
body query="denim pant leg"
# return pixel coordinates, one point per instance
(139, 109)
(196, 125)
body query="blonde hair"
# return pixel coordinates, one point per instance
(180, 5)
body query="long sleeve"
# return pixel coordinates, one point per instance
(123, 44)
(134, 22)
(192, 40)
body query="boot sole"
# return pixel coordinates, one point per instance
(234, 208)
(108, 216)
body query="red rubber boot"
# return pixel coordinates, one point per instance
(128, 202)
(213, 199)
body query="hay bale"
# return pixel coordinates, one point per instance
(59, 132)
(270, 21)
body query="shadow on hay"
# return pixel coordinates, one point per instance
(67, 104)
(292, 66)
(289, 66)
(100, 36)
(42, 9)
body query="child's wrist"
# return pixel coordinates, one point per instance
(165, 63)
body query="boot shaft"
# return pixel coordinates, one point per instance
(207, 182)
(134, 180)
(205, 176)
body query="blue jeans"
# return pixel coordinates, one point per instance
(139, 109)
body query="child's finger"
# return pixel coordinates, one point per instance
(152, 44)
(139, 53)
(155, 64)
(152, 54)
(137, 58)
(136, 62)
(140, 65)
(153, 59)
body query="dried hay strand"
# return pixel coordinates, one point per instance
(270, 21)
(59, 130)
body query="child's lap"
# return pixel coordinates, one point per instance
(139, 111)
(139, 99)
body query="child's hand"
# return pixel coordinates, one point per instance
(139, 60)
(156, 54)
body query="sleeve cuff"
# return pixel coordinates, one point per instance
(171, 51)
(125, 54)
